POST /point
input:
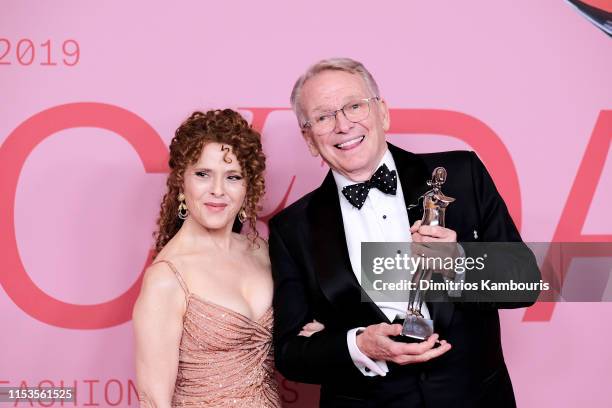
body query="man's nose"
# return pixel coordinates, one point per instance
(343, 125)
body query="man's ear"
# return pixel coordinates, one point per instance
(384, 112)
(310, 143)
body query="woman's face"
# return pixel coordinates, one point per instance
(214, 187)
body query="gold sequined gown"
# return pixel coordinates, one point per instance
(225, 358)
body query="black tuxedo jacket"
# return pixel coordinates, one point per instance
(313, 279)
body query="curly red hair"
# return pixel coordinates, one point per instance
(216, 126)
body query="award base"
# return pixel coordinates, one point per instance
(417, 327)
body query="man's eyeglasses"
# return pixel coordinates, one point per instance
(354, 111)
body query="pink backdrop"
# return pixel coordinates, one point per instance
(92, 92)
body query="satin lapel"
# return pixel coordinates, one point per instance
(331, 258)
(413, 174)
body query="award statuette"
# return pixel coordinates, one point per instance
(434, 207)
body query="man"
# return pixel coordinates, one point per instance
(315, 254)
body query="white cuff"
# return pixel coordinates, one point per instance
(367, 366)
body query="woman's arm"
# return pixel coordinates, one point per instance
(158, 325)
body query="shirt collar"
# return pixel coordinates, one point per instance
(342, 181)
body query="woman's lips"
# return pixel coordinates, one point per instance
(215, 207)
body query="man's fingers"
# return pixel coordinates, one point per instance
(433, 231)
(427, 229)
(415, 226)
(416, 348)
(376, 344)
(385, 329)
(437, 232)
(425, 356)
(432, 353)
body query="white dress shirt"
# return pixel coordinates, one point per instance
(383, 218)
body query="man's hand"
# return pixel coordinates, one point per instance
(445, 244)
(432, 233)
(375, 343)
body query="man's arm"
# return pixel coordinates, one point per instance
(315, 359)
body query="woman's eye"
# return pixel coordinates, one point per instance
(201, 173)
(236, 178)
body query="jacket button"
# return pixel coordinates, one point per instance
(423, 376)
(366, 369)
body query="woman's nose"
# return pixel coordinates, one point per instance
(217, 187)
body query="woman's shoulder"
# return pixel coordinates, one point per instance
(160, 293)
(160, 277)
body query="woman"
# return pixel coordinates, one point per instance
(203, 319)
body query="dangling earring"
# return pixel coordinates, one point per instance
(182, 209)
(242, 216)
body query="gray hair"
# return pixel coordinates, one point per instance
(332, 64)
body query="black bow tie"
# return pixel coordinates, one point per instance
(383, 179)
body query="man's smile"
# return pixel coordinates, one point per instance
(351, 143)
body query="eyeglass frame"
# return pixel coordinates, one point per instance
(308, 123)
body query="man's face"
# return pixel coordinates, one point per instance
(352, 149)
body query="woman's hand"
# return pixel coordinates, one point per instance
(311, 328)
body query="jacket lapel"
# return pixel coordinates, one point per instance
(413, 175)
(331, 259)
